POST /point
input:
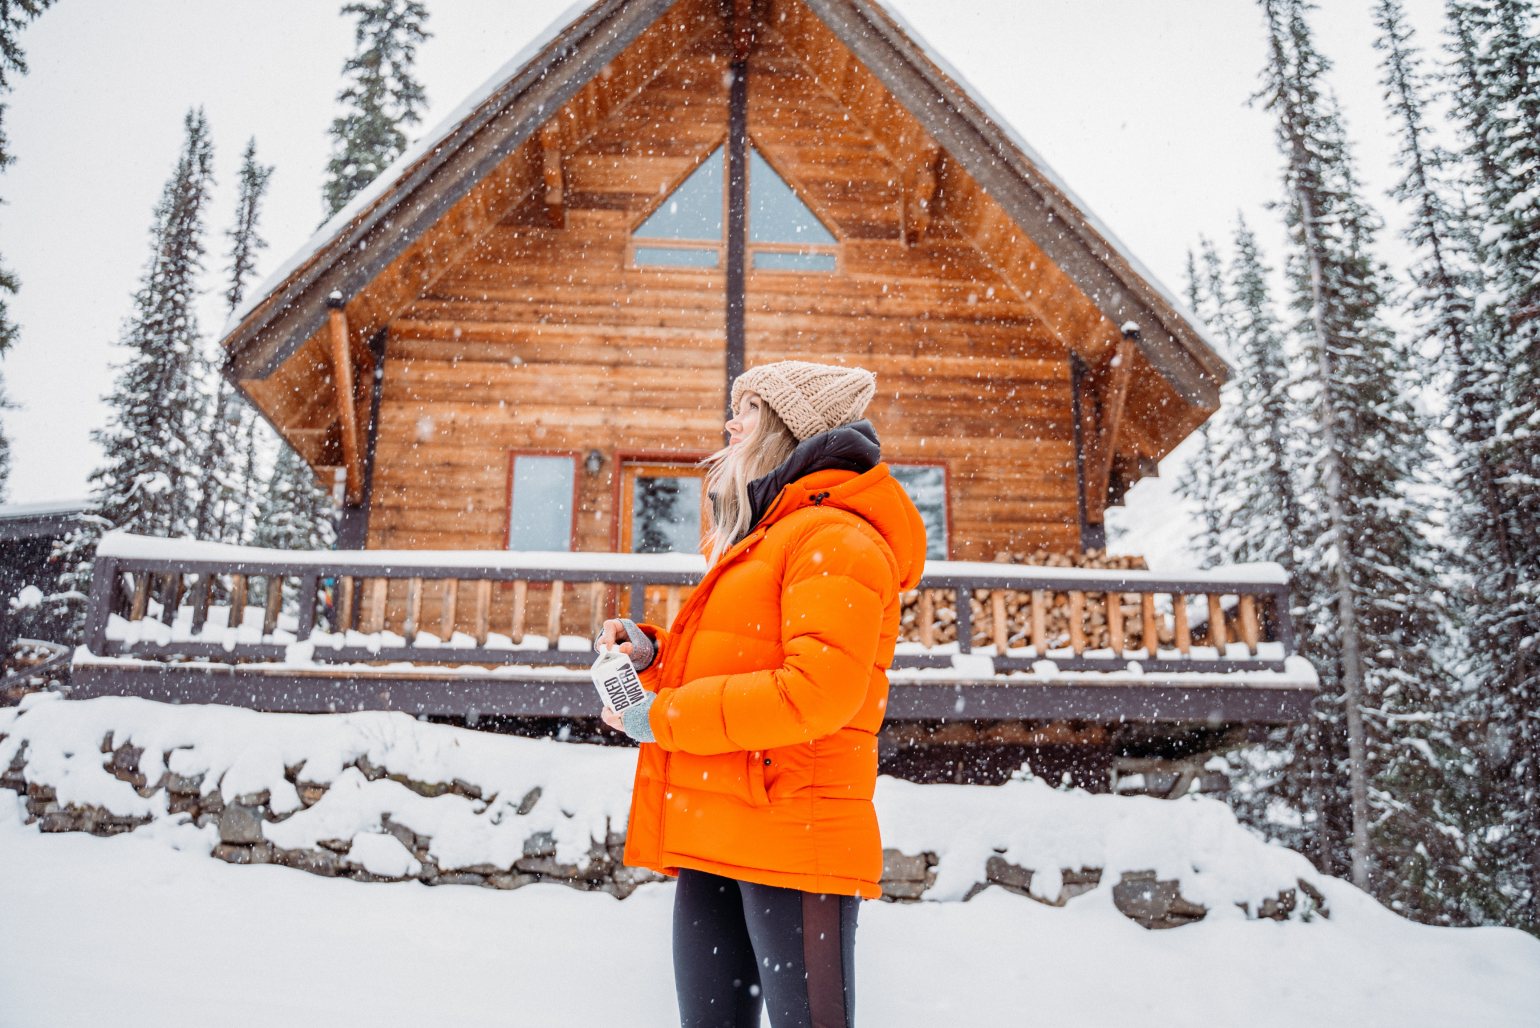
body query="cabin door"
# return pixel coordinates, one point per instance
(661, 512)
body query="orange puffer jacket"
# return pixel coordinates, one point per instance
(771, 688)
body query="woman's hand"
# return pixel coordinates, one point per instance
(609, 717)
(612, 631)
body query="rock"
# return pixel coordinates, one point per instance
(211, 803)
(899, 890)
(404, 835)
(317, 862)
(240, 824)
(184, 785)
(59, 821)
(901, 867)
(530, 799)
(428, 789)
(541, 844)
(336, 845)
(485, 870)
(467, 789)
(124, 765)
(510, 880)
(41, 793)
(460, 878)
(1153, 902)
(548, 867)
(1079, 882)
(1001, 872)
(253, 799)
(310, 793)
(259, 854)
(1317, 902)
(181, 803)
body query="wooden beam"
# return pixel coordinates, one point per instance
(1112, 393)
(347, 409)
(550, 151)
(742, 28)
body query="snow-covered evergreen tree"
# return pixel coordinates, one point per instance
(150, 479)
(1495, 46)
(381, 96)
(14, 16)
(233, 484)
(1200, 480)
(1367, 577)
(294, 512)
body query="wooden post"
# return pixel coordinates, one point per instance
(553, 615)
(483, 610)
(413, 610)
(925, 614)
(1218, 635)
(596, 608)
(671, 603)
(520, 609)
(1077, 621)
(1115, 623)
(309, 587)
(1251, 634)
(446, 614)
(200, 606)
(1039, 622)
(1183, 631)
(345, 589)
(237, 601)
(347, 412)
(1147, 627)
(378, 594)
(997, 613)
(141, 602)
(273, 606)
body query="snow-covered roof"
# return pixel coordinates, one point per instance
(346, 253)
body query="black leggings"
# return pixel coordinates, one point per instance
(737, 945)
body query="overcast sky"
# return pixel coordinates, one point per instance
(1140, 107)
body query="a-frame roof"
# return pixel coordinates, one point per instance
(421, 187)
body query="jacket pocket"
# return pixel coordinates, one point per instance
(755, 773)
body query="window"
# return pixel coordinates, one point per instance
(540, 502)
(665, 513)
(926, 486)
(688, 230)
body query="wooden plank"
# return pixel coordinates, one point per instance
(237, 600)
(273, 606)
(1039, 622)
(597, 593)
(1218, 633)
(520, 609)
(346, 411)
(378, 593)
(446, 617)
(346, 590)
(1151, 636)
(200, 604)
(1115, 623)
(413, 610)
(482, 611)
(997, 610)
(1251, 633)
(1077, 621)
(1182, 630)
(553, 614)
(141, 604)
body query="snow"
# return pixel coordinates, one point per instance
(145, 928)
(29, 597)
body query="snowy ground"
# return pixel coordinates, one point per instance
(125, 931)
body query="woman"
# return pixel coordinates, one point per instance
(759, 756)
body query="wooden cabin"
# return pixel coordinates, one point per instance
(521, 338)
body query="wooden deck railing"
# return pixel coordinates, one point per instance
(153, 600)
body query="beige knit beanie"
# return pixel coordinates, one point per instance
(810, 398)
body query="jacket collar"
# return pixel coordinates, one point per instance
(853, 447)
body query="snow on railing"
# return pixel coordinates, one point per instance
(165, 600)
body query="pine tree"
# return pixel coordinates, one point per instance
(232, 484)
(149, 481)
(1368, 574)
(381, 95)
(294, 513)
(1199, 481)
(1496, 87)
(14, 16)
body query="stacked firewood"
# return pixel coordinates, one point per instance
(1018, 608)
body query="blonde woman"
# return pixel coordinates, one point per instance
(759, 739)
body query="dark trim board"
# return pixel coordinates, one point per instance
(537, 696)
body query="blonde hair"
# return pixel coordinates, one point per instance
(729, 472)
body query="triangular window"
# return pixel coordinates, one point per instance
(688, 229)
